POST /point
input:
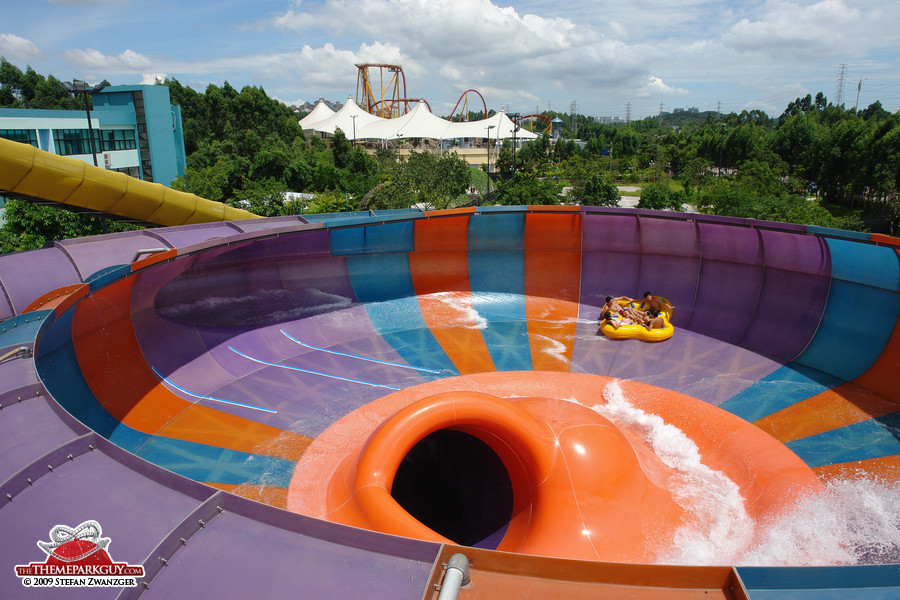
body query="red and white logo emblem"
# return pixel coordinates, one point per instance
(78, 557)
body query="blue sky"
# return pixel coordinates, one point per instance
(525, 56)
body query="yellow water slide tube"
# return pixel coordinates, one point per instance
(28, 172)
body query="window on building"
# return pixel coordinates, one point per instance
(72, 141)
(118, 139)
(130, 171)
(26, 136)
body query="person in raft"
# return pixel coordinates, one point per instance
(612, 305)
(654, 320)
(623, 319)
(653, 302)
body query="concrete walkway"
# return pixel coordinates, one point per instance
(629, 201)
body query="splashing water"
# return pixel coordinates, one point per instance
(718, 526)
(459, 311)
(853, 521)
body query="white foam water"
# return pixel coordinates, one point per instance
(551, 347)
(853, 521)
(718, 525)
(461, 312)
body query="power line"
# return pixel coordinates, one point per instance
(839, 92)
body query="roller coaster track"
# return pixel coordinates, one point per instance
(531, 126)
(464, 99)
(389, 98)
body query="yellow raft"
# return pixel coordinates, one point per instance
(639, 332)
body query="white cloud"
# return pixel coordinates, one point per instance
(126, 62)
(326, 64)
(321, 71)
(763, 106)
(475, 43)
(517, 53)
(787, 28)
(390, 53)
(297, 102)
(14, 47)
(458, 28)
(656, 88)
(451, 73)
(618, 30)
(153, 78)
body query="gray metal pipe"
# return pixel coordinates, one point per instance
(456, 576)
(144, 251)
(24, 351)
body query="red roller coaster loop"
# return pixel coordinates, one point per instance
(464, 98)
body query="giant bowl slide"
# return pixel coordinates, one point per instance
(193, 401)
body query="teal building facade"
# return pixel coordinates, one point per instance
(136, 130)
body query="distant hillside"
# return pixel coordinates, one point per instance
(305, 108)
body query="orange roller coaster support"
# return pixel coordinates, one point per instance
(385, 106)
(390, 100)
(548, 128)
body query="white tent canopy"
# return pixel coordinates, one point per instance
(417, 123)
(319, 113)
(348, 118)
(501, 127)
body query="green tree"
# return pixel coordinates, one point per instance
(564, 150)
(696, 173)
(657, 196)
(271, 162)
(326, 175)
(527, 189)
(534, 155)
(194, 116)
(425, 180)
(795, 142)
(327, 202)
(841, 153)
(31, 226)
(597, 189)
(875, 111)
(760, 178)
(734, 199)
(363, 172)
(234, 139)
(885, 164)
(206, 182)
(341, 149)
(32, 90)
(265, 197)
